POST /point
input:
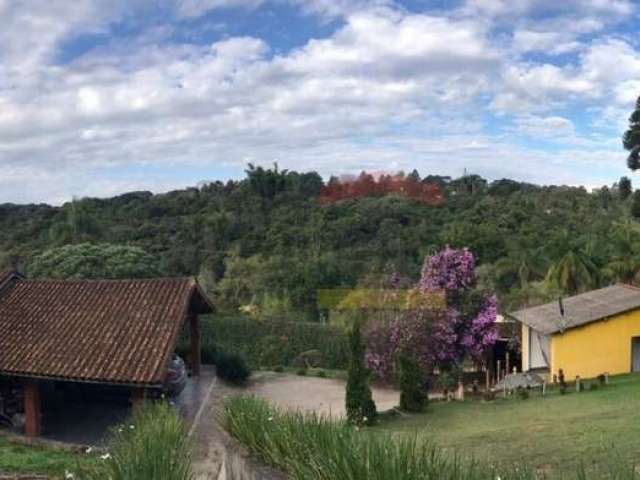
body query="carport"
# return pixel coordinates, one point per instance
(115, 333)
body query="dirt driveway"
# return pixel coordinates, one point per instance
(322, 395)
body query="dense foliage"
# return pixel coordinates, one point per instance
(232, 367)
(87, 260)
(360, 406)
(266, 241)
(438, 335)
(271, 343)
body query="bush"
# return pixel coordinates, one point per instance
(523, 393)
(232, 368)
(307, 446)
(413, 395)
(278, 369)
(360, 406)
(152, 445)
(302, 371)
(321, 374)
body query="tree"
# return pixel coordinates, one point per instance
(635, 204)
(360, 406)
(413, 392)
(87, 260)
(624, 188)
(631, 138)
(448, 320)
(575, 272)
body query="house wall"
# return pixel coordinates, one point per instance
(596, 348)
(524, 345)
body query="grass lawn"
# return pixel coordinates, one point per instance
(37, 460)
(554, 433)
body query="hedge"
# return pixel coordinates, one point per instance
(269, 343)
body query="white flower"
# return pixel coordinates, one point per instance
(89, 450)
(68, 475)
(131, 427)
(106, 456)
(270, 419)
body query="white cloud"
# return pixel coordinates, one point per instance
(388, 89)
(545, 127)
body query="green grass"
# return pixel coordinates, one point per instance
(25, 459)
(555, 434)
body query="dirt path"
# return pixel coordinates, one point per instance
(322, 395)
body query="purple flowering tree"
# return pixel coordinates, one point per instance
(437, 333)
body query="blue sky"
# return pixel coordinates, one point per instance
(98, 98)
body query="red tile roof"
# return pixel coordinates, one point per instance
(107, 331)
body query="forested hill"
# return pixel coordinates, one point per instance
(268, 241)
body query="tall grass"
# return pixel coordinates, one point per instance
(153, 445)
(311, 447)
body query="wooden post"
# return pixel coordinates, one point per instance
(460, 392)
(498, 371)
(577, 383)
(138, 396)
(196, 358)
(33, 427)
(507, 369)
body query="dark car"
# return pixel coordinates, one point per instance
(176, 377)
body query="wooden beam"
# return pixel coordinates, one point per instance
(196, 355)
(32, 414)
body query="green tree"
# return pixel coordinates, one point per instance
(574, 272)
(413, 392)
(631, 138)
(87, 260)
(360, 406)
(635, 204)
(624, 188)
(624, 259)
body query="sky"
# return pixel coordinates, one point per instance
(101, 97)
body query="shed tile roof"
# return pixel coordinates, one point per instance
(107, 331)
(580, 309)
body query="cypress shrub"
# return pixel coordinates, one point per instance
(413, 395)
(361, 408)
(232, 368)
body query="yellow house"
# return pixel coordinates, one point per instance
(587, 335)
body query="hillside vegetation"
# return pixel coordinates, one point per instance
(268, 243)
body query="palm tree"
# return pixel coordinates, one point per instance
(574, 272)
(624, 261)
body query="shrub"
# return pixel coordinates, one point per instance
(321, 374)
(302, 371)
(152, 445)
(360, 406)
(413, 396)
(308, 446)
(523, 393)
(232, 368)
(278, 369)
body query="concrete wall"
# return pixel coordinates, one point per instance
(596, 348)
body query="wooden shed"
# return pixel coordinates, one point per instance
(113, 332)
